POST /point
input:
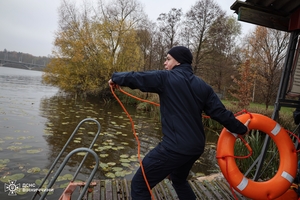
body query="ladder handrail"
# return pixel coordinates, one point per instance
(63, 165)
(63, 150)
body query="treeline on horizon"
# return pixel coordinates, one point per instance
(95, 40)
(23, 57)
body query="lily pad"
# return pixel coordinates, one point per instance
(14, 148)
(120, 174)
(38, 182)
(33, 151)
(4, 161)
(81, 153)
(17, 176)
(111, 163)
(124, 156)
(64, 185)
(44, 171)
(2, 166)
(126, 164)
(110, 175)
(6, 179)
(103, 165)
(68, 176)
(33, 170)
(103, 155)
(123, 160)
(117, 169)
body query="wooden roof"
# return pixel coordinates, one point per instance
(278, 14)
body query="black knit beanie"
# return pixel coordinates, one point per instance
(181, 54)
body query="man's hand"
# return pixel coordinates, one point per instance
(112, 84)
(246, 124)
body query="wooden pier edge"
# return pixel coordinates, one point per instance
(119, 189)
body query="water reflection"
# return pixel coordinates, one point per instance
(115, 146)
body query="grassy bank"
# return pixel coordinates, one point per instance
(285, 115)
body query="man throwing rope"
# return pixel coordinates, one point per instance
(183, 98)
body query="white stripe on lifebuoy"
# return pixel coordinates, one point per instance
(243, 184)
(276, 129)
(287, 176)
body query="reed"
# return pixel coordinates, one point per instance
(256, 140)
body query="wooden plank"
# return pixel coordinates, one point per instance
(115, 191)
(263, 18)
(205, 191)
(224, 188)
(171, 190)
(108, 190)
(159, 192)
(213, 189)
(126, 189)
(226, 185)
(196, 190)
(96, 191)
(102, 190)
(120, 190)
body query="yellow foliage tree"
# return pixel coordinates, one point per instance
(88, 49)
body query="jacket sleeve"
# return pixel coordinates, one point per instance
(147, 81)
(217, 111)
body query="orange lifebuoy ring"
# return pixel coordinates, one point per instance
(287, 169)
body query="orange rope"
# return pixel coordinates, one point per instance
(238, 157)
(144, 100)
(137, 140)
(297, 138)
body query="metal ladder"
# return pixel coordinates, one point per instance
(71, 185)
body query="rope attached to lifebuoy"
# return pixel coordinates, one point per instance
(287, 167)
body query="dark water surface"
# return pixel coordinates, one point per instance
(36, 121)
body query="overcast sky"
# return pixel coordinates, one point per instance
(28, 26)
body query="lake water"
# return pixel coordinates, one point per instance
(36, 121)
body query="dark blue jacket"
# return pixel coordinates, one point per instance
(183, 96)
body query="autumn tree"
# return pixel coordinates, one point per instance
(145, 40)
(120, 20)
(168, 24)
(242, 90)
(91, 43)
(196, 26)
(267, 51)
(219, 63)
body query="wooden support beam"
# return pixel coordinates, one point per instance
(263, 19)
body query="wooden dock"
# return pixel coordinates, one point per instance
(119, 189)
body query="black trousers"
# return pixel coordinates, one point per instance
(158, 164)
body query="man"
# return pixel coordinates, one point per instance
(183, 97)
